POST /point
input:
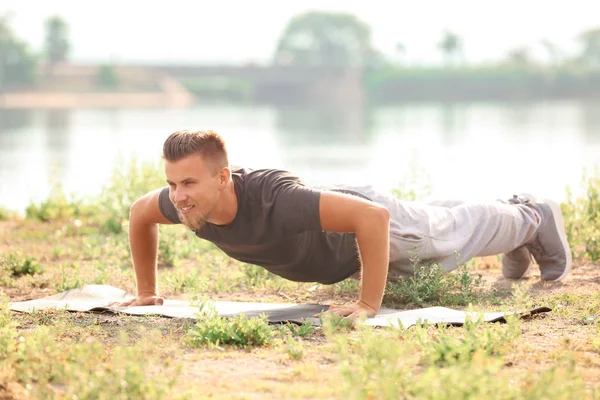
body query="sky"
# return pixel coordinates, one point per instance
(234, 32)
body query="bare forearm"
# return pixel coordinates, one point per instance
(373, 242)
(143, 240)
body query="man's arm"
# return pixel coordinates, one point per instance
(371, 224)
(144, 218)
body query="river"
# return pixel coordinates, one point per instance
(473, 151)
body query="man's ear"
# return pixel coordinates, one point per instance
(224, 177)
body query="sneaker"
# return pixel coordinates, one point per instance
(550, 247)
(516, 263)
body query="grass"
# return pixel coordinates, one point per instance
(210, 329)
(430, 285)
(582, 218)
(67, 242)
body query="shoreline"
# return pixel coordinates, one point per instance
(50, 100)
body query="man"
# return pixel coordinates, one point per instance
(272, 219)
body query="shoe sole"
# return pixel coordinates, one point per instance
(560, 227)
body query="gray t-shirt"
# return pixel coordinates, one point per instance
(277, 226)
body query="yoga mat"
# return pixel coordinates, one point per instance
(95, 298)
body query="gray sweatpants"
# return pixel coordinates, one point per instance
(451, 232)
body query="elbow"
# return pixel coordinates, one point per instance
(384, 214)
(373, 222)
(378, 214)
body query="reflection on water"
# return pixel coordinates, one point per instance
(452, 123)
(478, 151)
(323, 125)
(15, 119)
(57, 139)
(590, 121)
(318, 140)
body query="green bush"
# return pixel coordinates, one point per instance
(479, 338)
(302, 330)
(128, 181)
(50, 368)
(445, 363)
(6, 214)
(54, 369)
(56, 207)
(19, 265)
(582, 218)
(431, 284)
(415, 185)
(110, 209)
(211, 329)
(373, 366)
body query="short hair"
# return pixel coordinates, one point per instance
(209, 144)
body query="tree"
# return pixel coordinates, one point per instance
(520, 57)
(400, 49)
(451, 47)
(591, 46)
(107, 77)
(57, 40)
(552, 50)
(325, 39)
(17, 62)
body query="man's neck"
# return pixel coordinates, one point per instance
(227, 208)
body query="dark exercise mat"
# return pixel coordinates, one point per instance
(95, 298)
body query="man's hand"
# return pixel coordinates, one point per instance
(355, 310)
(371, 224)
(141, 300)
(144, 218)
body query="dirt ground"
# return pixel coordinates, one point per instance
(270, 373)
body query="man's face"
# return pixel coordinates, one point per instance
(194, 189)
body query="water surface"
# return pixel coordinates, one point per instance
(470, 151)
